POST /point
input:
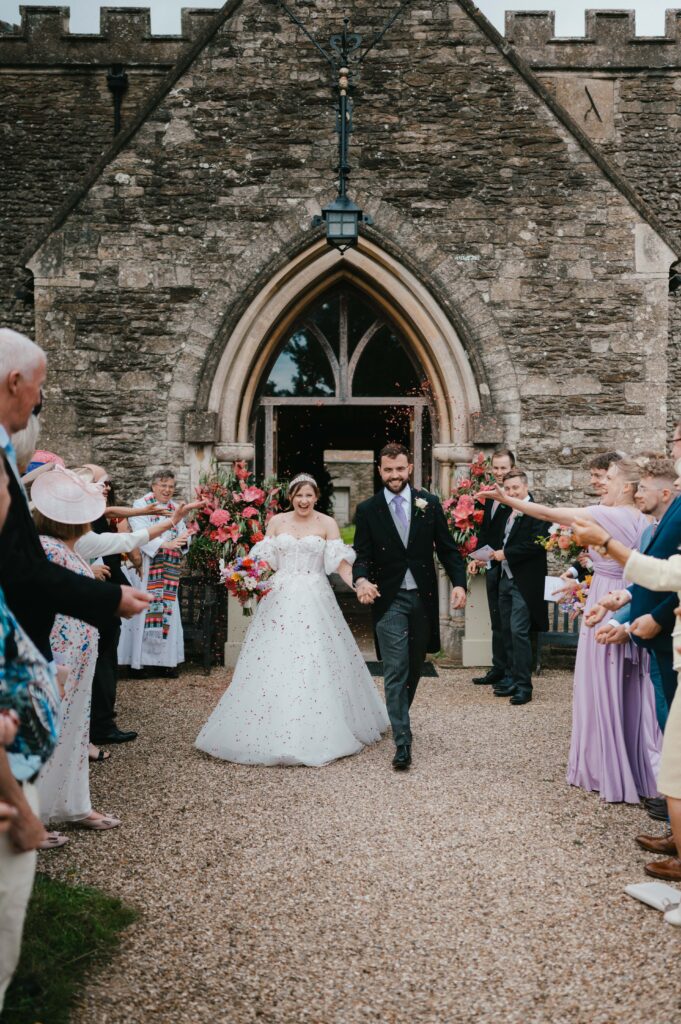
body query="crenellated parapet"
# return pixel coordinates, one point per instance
(44, 37)
(610, 42)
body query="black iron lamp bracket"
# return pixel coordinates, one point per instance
(344, 56)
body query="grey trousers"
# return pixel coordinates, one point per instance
(516, 625)
(500, 651)
(403, 633)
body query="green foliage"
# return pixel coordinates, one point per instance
(348, 534)
(203, 558)
(68, 930)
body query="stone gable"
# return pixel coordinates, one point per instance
(546, 265)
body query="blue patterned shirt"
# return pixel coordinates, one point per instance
(28, 686)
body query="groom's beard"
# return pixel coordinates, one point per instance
(396, 486)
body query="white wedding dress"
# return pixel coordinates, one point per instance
(301, 691)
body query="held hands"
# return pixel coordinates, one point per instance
(366, 592)
(589, 534)
(458, 598)
(616, 599)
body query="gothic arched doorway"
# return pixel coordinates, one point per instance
(341, 384)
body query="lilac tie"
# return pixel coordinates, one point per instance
(398, 505)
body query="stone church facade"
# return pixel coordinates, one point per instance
(516, 284)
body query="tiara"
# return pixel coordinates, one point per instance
(302, 478)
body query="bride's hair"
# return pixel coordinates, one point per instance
(302, 480)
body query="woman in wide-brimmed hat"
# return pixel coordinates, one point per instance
(64, 507)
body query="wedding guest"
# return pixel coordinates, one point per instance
(491, 535)
(24, 443)
(64, 507)
(156, 639)
(105, 542)
(615, 739)
(522, 608)
(655, 574)
(25, 572)
(654, 497)
(28, 734)
(598, 468)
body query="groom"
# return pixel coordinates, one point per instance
(396, 532)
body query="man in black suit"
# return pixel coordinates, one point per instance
(491, 533)
(397, 533)
(35, 588)
(522, 607)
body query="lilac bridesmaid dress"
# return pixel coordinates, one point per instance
(616, 742)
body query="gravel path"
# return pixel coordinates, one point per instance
(475, 888)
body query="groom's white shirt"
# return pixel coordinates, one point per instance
(408, 583)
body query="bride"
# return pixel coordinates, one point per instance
(301, 692)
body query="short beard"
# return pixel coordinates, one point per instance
(404, 484)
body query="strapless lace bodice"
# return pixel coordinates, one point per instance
(295, 555)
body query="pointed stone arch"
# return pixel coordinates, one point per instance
(459, 400)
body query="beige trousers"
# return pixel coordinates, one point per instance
(16, 881)
(669, 779)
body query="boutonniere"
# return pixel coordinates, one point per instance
(420, 506)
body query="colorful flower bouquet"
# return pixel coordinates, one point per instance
(463, 512)
(561, 543)
(247, 579)
(234, 518)
(574, 604)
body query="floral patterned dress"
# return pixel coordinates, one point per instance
(64, 784)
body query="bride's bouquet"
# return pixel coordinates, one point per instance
(247, 579)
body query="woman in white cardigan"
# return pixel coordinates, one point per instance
(660, 575)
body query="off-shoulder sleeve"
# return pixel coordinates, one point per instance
(267, 551)
(336, 552)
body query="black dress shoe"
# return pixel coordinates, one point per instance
(489, 679)
(402, 758)
(115, 736)
(504, 690)
(656, 808)
(521, 697)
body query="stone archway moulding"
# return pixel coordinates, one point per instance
(260, 329)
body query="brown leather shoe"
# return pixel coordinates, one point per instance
(658, 844)
(669, 870)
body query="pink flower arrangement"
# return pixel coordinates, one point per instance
(247, 580)
(464, 512)
(234, 518)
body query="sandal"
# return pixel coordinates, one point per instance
(53, 841)
(103, 755)
(97, 824)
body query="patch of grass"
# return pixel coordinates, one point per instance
(347, 534)
(68, 930)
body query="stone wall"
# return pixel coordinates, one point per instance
(537, 252)
(352, 471)
(57, 117)
(625, 92)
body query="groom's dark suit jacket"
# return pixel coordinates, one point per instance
(35, 588)
(383, 558)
